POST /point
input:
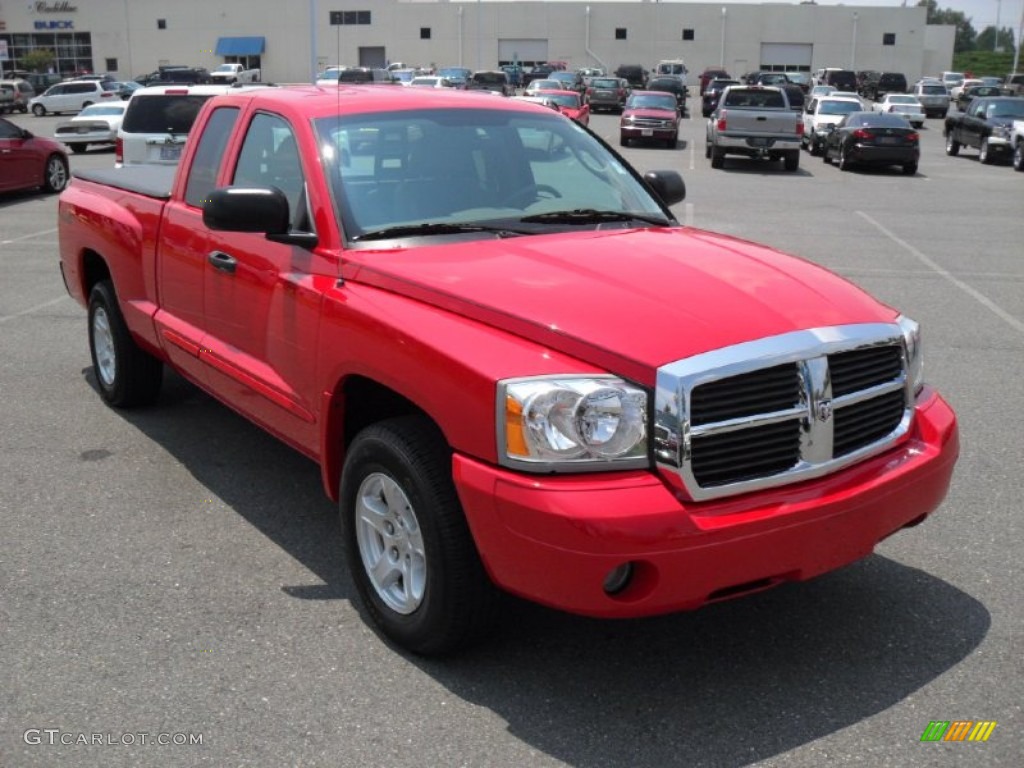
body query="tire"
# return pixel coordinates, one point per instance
(623, 141)
(813, 146)
(717, 159)
(952, 145)
(38, 110)
(55, 175)
(707, 151)
(407, 543)
(86, 104)
(984, 153)
(910, 169)
(671, 143)
(825, 158)
(126, 376)
(1018, 155)
(78, 148)
(844, 162)
(792, 160)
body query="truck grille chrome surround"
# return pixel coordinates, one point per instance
(780, 410)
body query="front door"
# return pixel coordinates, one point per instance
(261, 312)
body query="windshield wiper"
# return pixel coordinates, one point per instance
(592, 216)
(434, 228)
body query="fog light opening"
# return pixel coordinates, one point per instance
(618, 578)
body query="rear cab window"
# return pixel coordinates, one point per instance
(209, 155)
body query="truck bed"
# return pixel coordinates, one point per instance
(154, 181)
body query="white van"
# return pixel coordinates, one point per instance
(72, 96)
(158, 120)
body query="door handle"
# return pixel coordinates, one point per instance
(222, 261)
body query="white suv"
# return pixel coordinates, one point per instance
(822, 112)
(72, 96)
(158, 120)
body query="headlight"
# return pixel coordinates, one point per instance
(571, 424)
(915, 355)
(1002, 131)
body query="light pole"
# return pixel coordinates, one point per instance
(853, 44)
(721, 56)
(995, 37)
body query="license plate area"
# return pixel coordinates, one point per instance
(889, 140)
(170, 153)
(646, 131)
(760, 142)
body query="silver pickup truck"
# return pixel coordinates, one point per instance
(754, 121)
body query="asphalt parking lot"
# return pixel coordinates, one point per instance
(175, 572)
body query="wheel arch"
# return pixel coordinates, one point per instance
(355, 403)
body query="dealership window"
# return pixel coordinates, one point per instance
(72, 51)
(161, 23)
(424, 33)
(111, 65)
(620, 33)
(889, 38)
(687, 34)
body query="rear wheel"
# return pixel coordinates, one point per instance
(952, 145)
(717, 158)
(910, 169)
(1018, 155)
(844, 161)
(125, 374)
(38, 110)
(813, 146)
(792, 160)
(55, 176)
(407, 542)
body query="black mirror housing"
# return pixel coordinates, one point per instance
(247, 209)
(667, 185)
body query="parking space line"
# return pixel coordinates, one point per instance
(975, 294)
(28, 237)
(30, 310)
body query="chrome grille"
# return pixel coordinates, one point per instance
(782, 409)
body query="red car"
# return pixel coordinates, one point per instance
(650, 116)
(28, 161)
(569, 103)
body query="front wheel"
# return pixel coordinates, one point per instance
(38, 110)
(125, 374)
(407, 542)
(1018, 156)
(984, 153)
(952, 145)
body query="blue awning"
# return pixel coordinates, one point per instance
(240, 46)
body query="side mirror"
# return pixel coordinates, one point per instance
(667, 185)
(247, 209)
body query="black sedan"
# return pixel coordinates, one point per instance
(713, 91)
(873, 138)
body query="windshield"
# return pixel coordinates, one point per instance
(902, 100)
(651, 101)
(488, 168)
(570, 100)
(1006, 108)
(225, 68)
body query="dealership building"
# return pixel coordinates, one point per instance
(289, 40)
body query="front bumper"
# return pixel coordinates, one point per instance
(646, 132)
(555, 539)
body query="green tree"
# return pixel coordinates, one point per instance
(966, 37)
(987, 37)
(38, 60)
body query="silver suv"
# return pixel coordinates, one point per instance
(934, 97)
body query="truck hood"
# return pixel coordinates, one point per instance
(628, 300)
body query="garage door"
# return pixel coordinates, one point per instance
(527, 52)
(779, 57)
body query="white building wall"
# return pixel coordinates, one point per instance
(129, 33)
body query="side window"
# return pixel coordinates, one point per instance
(209, 154)
(270, 158)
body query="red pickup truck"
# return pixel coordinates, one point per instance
(516, 370)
